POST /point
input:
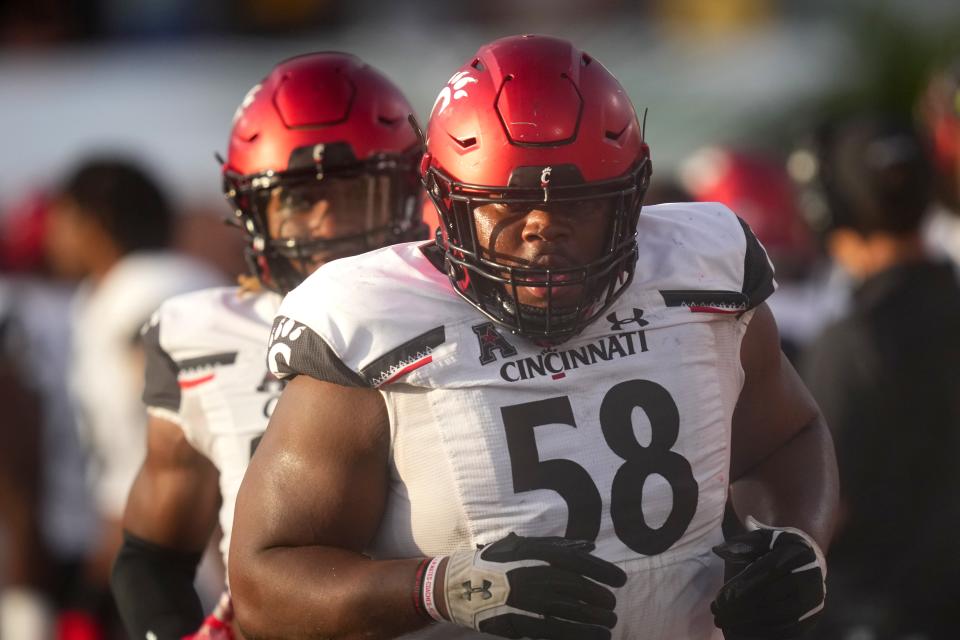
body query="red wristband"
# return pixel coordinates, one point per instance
(429, 582)
(418, 590)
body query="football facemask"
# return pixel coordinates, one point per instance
(570, 296)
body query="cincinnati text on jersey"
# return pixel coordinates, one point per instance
(556, 362)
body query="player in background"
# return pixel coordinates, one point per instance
(46, 503)
(531, 427)
(757, 186)
(939, 113)
(111, 226)
(322, 163)
(886, 377)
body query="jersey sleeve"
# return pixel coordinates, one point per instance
(161, 389)
(758, 272)
(296, 349)
(701, 255)
(362, 321)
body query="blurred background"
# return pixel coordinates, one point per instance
(732, 89)
(160, 78)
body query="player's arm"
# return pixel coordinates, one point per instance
(784, 483)
(783, 466)
(310, 502)
(170, 515)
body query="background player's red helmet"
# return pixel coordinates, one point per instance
(315, 118)
(758, 187)
(531, 119)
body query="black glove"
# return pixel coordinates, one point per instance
(533, 588)
(780, 592)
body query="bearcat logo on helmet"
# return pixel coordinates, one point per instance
(455, 89)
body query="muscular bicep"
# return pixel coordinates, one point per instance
(175, 497)
(320, 473)
(774, 405)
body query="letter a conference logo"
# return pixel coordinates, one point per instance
(490, 341)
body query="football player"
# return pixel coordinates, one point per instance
(111, 226)
(757, 186)
(322, 164)
(939, 112)
(530, 427)
(871, 186)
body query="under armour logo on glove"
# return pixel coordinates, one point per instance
(780, 593)
(469, 590)
(533, 588)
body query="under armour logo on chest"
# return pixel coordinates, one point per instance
(469, 590)
(616, 324)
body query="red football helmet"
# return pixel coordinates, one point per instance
(322, 126)
(528, 120)
(758, 188)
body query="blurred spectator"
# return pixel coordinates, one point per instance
(110, 226)
(939, 111)
(757, 187)
(887, 380)
(25, 609)
(44, 504)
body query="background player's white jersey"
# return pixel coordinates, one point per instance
(205, 372)
(621, 434)
(106, 366)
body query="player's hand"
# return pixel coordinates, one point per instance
(780, 592)
(533, 588)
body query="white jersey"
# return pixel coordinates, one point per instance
(620, 435)
(205, 373)
(106, 368)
